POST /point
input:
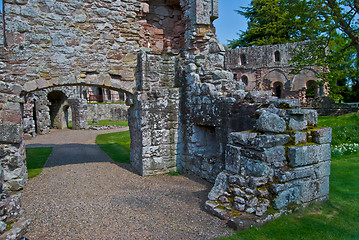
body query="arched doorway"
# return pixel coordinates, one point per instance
(244, 80)
(278, 89)
(58, 109)
(311, 89)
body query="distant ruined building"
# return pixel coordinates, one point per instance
(230, 117)
(269, 68)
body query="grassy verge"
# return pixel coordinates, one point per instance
(345, 128)
(36, 159)
(345, 133)
(116, 145)
(109, 122)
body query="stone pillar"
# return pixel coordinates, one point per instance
(153, 116)
(79, 113)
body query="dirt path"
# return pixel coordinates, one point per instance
(82, 194)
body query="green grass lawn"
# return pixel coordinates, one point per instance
(116, 145)
(345, 127)
(109, 122)
(36, 159)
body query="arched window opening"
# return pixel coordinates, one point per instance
(278, 89)
(243, 59)
(244, 79)
(311, 89)
(277, 56)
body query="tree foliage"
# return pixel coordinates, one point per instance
(330, 25)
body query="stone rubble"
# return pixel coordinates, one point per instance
(272, 170)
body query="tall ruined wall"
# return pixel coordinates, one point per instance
(70, 42)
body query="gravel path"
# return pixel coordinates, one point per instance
(82, 194)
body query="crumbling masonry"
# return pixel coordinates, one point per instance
(186, 113)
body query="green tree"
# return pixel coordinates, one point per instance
(279, 21)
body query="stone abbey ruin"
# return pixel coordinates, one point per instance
(188, 105)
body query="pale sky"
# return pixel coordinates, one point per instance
(229, 22)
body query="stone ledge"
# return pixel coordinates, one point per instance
(17, 231)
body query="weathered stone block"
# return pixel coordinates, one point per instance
(306, 155)
(323, 135)
(297, 125)
(322, 169)
(219, 187)
(311, 116)
(233, 159)
(297, 173)
(299, 137)
(215, 209)
(221, 74)
(242, 138)
(258, 96)
(275, 154)
(238, 180)
(255, 168)
(286, 103)
(285, 198)
(314, 189)
(268, 141)
(16, 184)
(269, 122)
(11, 133)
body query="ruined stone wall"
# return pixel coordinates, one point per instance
(36, 109)
(1, 31)
(283, 164)
(266, 67)
(115, 112)
(207, 94)
(327, 107)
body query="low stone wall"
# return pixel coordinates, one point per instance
(115, 112)
(327, 107)
(282, 165)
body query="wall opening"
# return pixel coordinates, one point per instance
(244, 80)
(311, 89)
(243, 59)
(278, 89)
(58, 103)
(205, 141)
(277, 56)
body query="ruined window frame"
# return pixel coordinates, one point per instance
(277, 56)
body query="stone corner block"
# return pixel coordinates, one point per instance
(219, 187)
(242, 138)
(270, 122)
(286, 197)
(323, 135)
(307, 155)
(233, 159)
